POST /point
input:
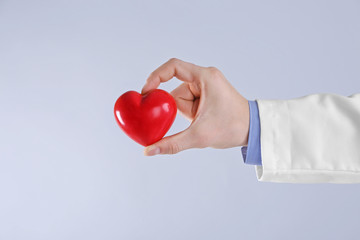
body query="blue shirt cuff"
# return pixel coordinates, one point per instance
(252, 152)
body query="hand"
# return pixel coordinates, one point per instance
(219, 115)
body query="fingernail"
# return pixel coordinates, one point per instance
(152, 150)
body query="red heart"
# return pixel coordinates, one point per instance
(145, 118)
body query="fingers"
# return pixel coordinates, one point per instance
(186, 96)
(185, 100)
(184, 71)
(172, 144)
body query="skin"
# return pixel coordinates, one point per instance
(219, 115)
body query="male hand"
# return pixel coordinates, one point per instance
(219, 115)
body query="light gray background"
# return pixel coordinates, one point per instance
(68, 172)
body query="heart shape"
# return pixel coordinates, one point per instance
(145, 118)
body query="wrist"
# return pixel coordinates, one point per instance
(244, 120)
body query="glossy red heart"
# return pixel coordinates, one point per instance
(145, 118)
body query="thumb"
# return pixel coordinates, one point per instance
(171, 144)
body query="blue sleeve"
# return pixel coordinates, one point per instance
(252, 152)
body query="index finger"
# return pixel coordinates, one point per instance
(184, 71)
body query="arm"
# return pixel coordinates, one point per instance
(312, 139)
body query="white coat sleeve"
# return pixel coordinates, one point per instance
(311, 139)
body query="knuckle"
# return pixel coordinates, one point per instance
(213, 69)
(173, 61)
(174, 148)
(214, 72)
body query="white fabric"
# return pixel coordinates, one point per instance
(312, 139)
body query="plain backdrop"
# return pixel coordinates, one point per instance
(67, 171)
